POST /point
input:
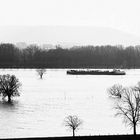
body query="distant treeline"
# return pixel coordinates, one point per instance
(76, 57)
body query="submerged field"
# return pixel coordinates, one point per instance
(44, 103)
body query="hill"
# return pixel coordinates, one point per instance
(67, 36)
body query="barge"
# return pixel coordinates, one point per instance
(96, 72)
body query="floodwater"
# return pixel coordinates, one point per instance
(44, 103)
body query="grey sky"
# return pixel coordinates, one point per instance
(115, 14)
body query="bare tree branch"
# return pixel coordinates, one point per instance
(9, 86)
(128, 105)
(72, 122)
(41, 72)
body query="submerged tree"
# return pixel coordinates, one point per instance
(9, 86)
(73, 123)
(41, 72)
(127, 104)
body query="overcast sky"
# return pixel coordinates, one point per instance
(117, 14)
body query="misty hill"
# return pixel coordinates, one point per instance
(66, 36)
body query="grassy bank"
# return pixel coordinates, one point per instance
(108, 137)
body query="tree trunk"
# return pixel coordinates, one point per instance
(9, 99)
(41, 75)
(134, 129)
(73, 133)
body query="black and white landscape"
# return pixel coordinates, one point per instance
(69, 68)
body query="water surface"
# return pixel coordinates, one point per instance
(43, 104)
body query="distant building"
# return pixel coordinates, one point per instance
(47, 46)
(21, 45)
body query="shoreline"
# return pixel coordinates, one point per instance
(99, 137)
(62, 68)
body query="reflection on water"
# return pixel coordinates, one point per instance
(8, 106)
(43, 104)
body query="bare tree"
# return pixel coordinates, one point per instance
(73, 123)
(127, 104)
(41, 72)
(115, 91)
(9, 86)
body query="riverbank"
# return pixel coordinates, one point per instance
(105, 137)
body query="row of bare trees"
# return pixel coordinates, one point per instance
(126, 101)
(76, 57)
